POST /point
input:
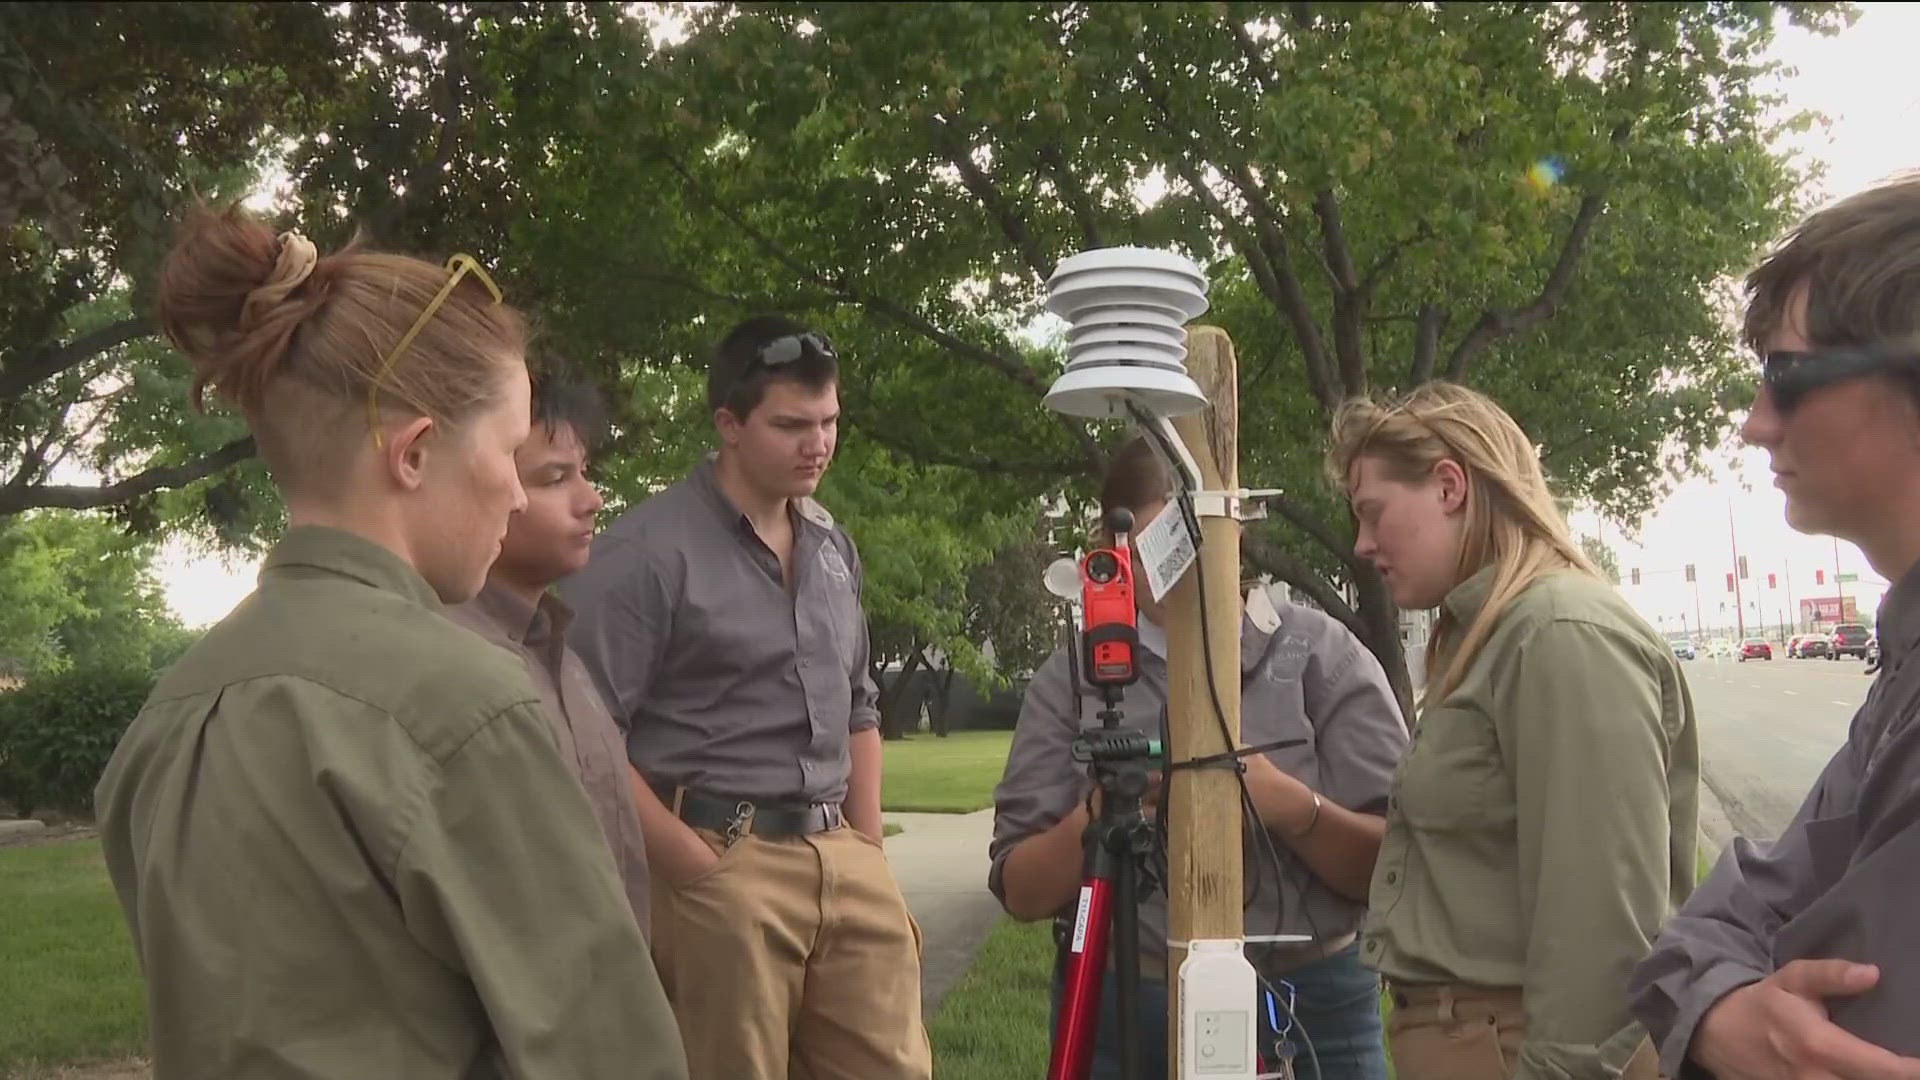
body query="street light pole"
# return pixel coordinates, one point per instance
(1739, 604)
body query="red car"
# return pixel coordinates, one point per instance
(1755, 649)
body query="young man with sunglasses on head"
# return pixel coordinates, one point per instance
(722, 620)
(1803, 959)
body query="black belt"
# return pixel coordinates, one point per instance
(734, 817)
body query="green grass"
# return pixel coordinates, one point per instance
(889, 829)
(70, 988)
(993, 1024)
(954, 775)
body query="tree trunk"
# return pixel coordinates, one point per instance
(942, 702)
(891, 697)
(1380, 631)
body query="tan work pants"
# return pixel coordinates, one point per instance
(1457, 1032)
(793, 959)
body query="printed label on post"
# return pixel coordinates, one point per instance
(1167, 548)
(1080, 919)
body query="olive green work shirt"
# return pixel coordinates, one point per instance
(1543, 822)
(347, 847)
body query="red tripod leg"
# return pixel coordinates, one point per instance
(1086, 971)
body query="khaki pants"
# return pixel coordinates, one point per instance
(793, 958)
(1456, 1032)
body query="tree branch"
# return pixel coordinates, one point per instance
(1072, 194)
(886, 435)
(448, 97)
(19, 375)
(1297, 516)
(982, 187)
(1269, 558)
(81, 497)
(1426, 344)
(1370, 282)
(1280, 283)
(1494, 324)
(1349, 303)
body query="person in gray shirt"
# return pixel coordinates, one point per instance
(1803, 958)
(722, 620)
(1304, 676)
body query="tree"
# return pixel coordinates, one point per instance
(1602, 556)
(115, 114)
(1537, 199)
(76, 591)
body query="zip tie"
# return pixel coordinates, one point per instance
(1255, 939)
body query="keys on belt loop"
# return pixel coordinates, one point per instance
(739, 823)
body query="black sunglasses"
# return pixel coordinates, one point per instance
(1790, 374)
(787, 349)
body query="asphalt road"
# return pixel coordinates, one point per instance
(1767, 728)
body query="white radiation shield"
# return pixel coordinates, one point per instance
(1127, 345)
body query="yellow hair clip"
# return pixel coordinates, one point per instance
(459, 265)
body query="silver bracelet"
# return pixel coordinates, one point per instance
(1312, 821)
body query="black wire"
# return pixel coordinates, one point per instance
(1248, 810)
(1303, 880)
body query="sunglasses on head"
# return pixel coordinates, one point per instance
(787, 349)
(1791, 374)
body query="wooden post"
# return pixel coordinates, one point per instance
(1203, 845)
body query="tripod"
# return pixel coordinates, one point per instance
(1117, 845)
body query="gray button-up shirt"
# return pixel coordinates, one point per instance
(1303, 675)
(588, 738)
(727, 682)
(1839, 884)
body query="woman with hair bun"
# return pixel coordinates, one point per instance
(340, 830)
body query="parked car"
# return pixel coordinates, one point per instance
(1755, 649)
(1815, 645)
(1684, 650)
(1849, 639)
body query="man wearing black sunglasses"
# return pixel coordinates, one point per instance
(722, 621)
(1803, 959)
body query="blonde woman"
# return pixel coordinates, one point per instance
(1542, 826)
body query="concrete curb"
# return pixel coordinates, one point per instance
(25, 827)
(1716, 830)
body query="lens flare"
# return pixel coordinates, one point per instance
(1545, 173)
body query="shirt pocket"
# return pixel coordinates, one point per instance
(1452, 778)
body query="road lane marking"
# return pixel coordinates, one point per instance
(1847, 703)
(1795, 693)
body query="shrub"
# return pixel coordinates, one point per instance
(58, 730)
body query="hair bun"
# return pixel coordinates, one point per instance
(291, 268)
(224, 294)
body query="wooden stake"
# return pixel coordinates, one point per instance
(1204, 853)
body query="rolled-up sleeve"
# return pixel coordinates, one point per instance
(623, 607)
(1041, 783)
(1582, 730)
(506, 878)
(1359, 732)
(1723, 937)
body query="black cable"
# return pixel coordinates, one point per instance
(1249, 812)
(1304, 880)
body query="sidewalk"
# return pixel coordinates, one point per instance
(940, 861)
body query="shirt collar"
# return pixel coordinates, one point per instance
(1898, 623)
(805, 513)
(524, 623)
(1468, 597)
(349, 555)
